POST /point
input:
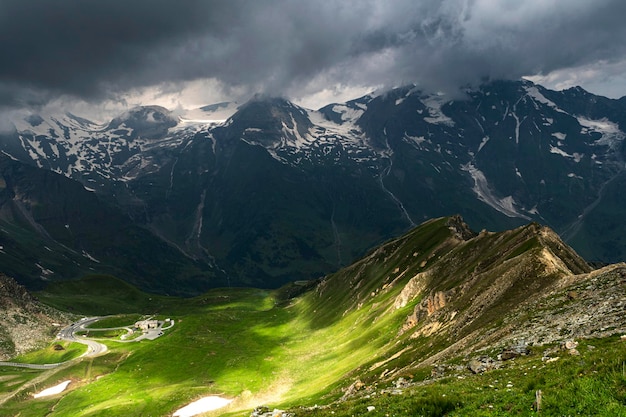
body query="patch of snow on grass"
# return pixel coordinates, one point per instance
(202, 405)
(53, 390)
(559, 136)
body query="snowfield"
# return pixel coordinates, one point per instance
(57, 389)
(202, 406)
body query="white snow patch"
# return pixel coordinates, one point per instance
(508, 203)
(612, 136)
(417, 140)
(577, 157)
(348, 114)
(518, 123)
(535, 94)
(603, 125)
(200, 122)
(558, 151)
(347, 130)
(434, 104)
(57, 389)
(294, 133)
(483, 143)
(88, 256)
(44, 271)
(202, 405)
(572, 175)
(483, 191)
(10, 156)
(150, 117)
(399, 101)
(559, 136)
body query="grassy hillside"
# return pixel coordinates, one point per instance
(100, 295)
(393, 331)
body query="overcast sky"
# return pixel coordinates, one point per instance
(105, 54)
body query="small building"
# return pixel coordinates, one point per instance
(147, 324)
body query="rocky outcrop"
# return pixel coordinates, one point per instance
(460, 229)
(435, 302)
(426, 308)
(263, 411)
(25, 323)
(13, 294)
(580, 306)
(482, 364)
(412, 289)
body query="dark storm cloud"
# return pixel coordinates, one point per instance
(96, 49)
(84, 47)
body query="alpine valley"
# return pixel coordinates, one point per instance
(441, 321)
(267, 192)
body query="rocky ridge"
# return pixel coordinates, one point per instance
(583, 306)
(468, 293)
(516, 300)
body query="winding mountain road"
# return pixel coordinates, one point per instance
(69, 333)
(94, 348)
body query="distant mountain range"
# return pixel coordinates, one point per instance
(269, 192)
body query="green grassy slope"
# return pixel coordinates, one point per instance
(433, 296)
(101, 295)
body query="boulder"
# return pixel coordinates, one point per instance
(569, 345)
(519, 348)
(508, 354)
(482, 364)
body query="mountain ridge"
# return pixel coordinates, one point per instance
(422, 313)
